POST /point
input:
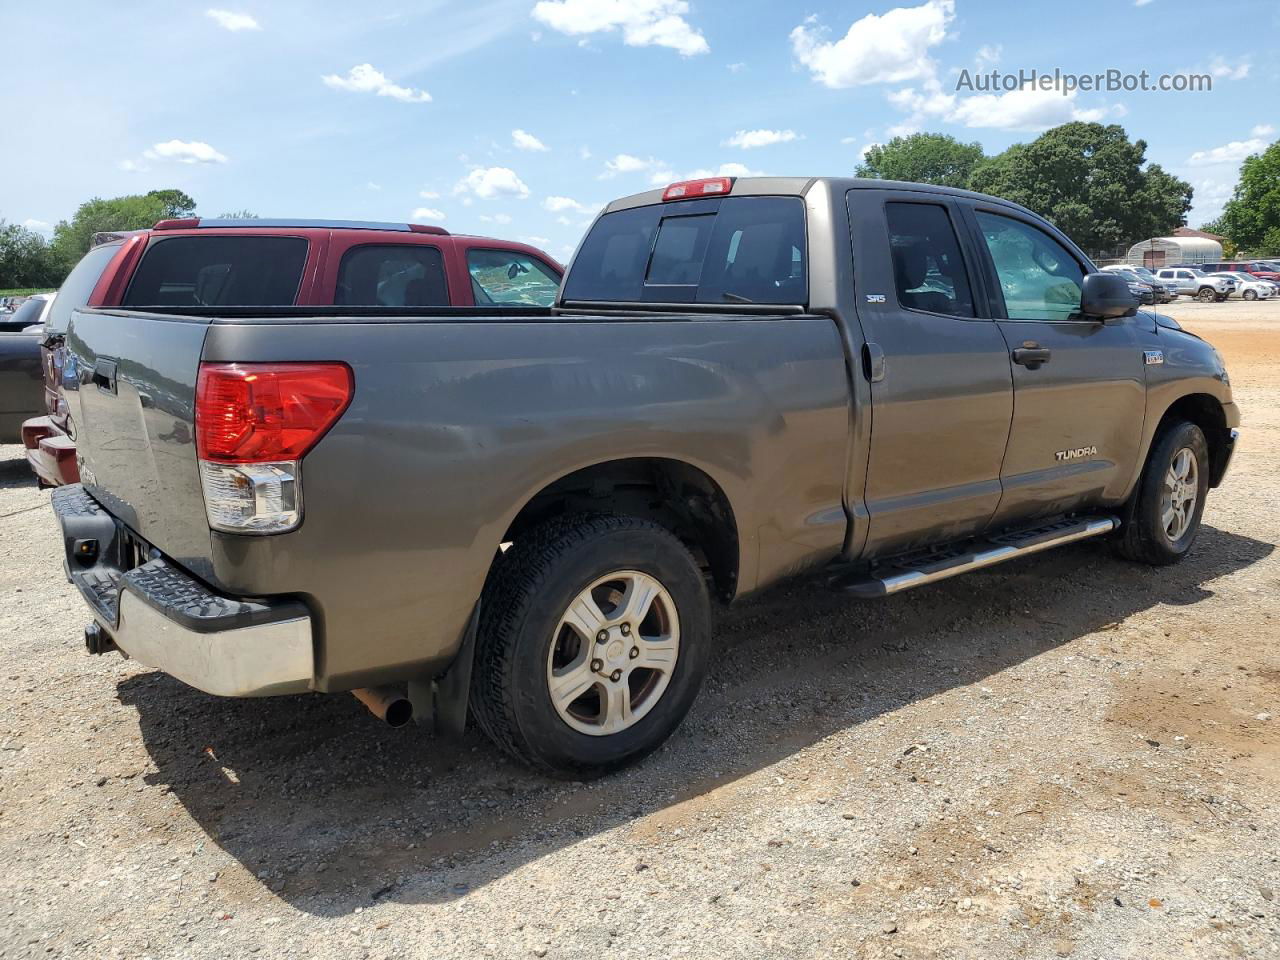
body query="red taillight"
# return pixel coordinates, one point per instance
(256, 412)
(688, 189)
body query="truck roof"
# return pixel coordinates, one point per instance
(799, 186)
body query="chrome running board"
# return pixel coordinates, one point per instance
(903, 573)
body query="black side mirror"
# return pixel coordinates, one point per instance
(1106, 296)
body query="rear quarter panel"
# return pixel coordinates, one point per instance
(454, 426)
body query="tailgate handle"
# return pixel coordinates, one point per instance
(104, 375)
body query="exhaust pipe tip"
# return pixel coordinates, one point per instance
(390, 704)
(96, 640)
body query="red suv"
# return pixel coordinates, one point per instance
(1258, 268)
(272, 263)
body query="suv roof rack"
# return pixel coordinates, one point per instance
(188, 223)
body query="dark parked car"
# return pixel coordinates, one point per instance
(525, 515)
(268, 263)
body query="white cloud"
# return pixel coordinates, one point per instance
(1027, 108)
(426, 213)
(39, 226)
(183, 151)
(988, 56)
(527, 141)
(363, 78)
(535, 240)
(584, 153)
(737, 67)
(1141, 3)
(732, 169)
(626, 163)
(1233, 153)
(643, 23)
(503, 218)
(428, 195)
(750, 139)
(489, 182)
(132, 166)
(373, 186)
(904, 129)
(886, 48)
(1222, 70)
(1262, 130)
(230, 20)
(561, 204)
(1209, 198)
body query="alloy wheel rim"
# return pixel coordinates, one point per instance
(1181, 490)
(613, 653)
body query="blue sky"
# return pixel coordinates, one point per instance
(518, 118)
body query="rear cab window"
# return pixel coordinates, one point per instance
(218, 271)
(928, 271)
(723, 250)
(512, 278)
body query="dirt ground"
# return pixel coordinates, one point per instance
(1064, 756)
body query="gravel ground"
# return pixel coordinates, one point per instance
(1065, 756)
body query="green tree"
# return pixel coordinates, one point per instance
(1251, 218)
(71, 239)
(25, 258)
(1089, 180)
(922, 158)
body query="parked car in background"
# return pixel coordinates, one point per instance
(273, 263)
(1261, 269)
(522, 516)
(1194, 282)
(1144, 291)
(31, 312)
(1165, 291)
(1248, 287)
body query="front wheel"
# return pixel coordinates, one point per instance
(1164, 516)
(1207, 295)
(1251, 294)
(593, 640)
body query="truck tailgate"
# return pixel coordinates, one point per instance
(132, 406)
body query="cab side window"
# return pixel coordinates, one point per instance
(1039, 278)
(928, 271)
(507, 277)
(392, 275)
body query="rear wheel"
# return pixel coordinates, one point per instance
(1164, 517)
(593, 642)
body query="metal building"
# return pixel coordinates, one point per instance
(1165, 251)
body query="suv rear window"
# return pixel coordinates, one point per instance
(218, 271)
(392, 275)
(720, 250)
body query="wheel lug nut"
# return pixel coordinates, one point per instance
(597, 665)
(626, 629)
(615, 676)
(635, 652)
(602, 636)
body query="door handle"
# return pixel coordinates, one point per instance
(1031, 355)
(873, 362)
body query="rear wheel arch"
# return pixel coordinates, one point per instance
(675, 494)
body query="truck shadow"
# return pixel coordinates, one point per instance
(332, 811)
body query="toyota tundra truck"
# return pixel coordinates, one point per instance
(523, 518)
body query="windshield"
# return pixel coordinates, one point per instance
(1197, 273)
(719, 250)
(26, 314)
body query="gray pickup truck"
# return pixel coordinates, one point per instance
(522, 516)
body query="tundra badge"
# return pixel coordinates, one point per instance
(1077, 453)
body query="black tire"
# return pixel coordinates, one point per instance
(1206, 294)
(529, 592)
(1144, 537)
(1250, 294)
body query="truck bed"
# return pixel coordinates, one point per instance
(459, 417)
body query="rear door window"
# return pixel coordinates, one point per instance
(392, 275)
(508, 277)
(218, 271)
(927, 269)
(722, 250)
